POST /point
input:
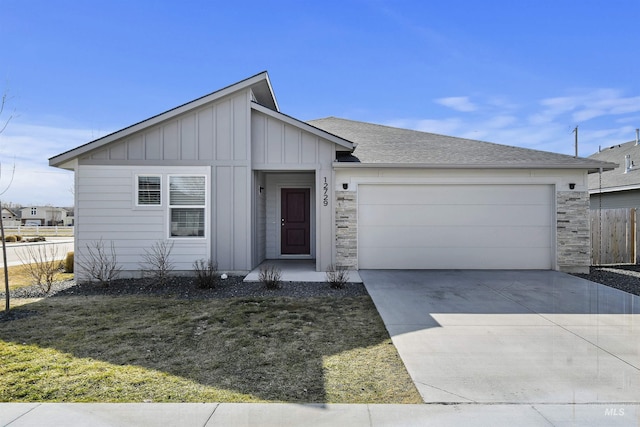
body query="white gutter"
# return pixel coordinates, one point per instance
(614, 189)
(592, 167)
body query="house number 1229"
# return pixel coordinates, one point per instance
(325, 192)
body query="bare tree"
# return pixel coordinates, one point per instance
(3, 125)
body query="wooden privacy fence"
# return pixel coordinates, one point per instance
(614, 236)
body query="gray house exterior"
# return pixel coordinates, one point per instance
(620, 186)
(231, 178)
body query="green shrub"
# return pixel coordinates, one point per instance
(68, 263)
(10, 239)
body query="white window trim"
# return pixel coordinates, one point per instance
(136, 189)
(205, 206)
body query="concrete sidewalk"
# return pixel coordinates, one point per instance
(282, 415)
(62, 246)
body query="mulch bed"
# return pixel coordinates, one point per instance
(185, 288)
(623, 277)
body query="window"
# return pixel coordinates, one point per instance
(34, 211)
(187, 201)
(149, 191)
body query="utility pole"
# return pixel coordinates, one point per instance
(576, 143)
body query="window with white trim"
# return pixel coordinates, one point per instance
(187, 202)
(149, 190)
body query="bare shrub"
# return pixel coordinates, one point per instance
(270, 275)
(337, 276)
(206, 273)
(99, 265)
(157, 263)
(42, 264)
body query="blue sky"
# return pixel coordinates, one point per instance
(521, 73)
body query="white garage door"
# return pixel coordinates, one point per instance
(455, 226)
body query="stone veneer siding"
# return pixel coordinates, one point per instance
(573, 231)
(347, 229)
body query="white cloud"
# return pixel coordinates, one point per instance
(605, 117)
(587, 105)
(458, 103)
(29, 147)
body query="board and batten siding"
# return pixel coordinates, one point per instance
(215, 132)
(278, 145)
(282, 151)
(259, 217)
(214, 136)
(107, 211)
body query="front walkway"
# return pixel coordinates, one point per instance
(511, 337)
(296, 270)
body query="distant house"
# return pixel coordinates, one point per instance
(43, 215)
(9, 217)
(620, 187)
(70, 218)
(229, 177)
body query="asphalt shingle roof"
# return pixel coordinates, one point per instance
(617, 178)
(379, 144)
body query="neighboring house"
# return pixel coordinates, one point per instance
(43, 215)
(620, 187)
(231, 178)
(69, 220)
(9, 218)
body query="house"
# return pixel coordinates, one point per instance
(618, 187)
(43, 215)
(230, 177)
(9, 217)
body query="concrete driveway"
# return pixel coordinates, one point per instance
(511, 336)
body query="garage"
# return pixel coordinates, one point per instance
(457, 226)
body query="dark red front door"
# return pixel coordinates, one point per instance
(295, 223)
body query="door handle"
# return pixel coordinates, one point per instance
(282, 223)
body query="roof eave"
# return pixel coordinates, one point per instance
(614, 189)
(303, 125)
(255, 81)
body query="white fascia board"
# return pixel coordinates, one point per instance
(304, 126)
(79, 151)
(615, 189)
(273, 94)
(461, 166)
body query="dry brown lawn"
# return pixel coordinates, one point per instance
(135, 349)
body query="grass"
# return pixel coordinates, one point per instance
(134, 349)
(19, 277)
